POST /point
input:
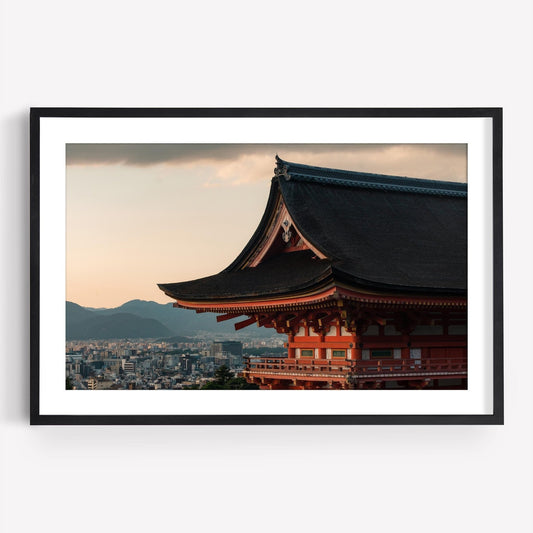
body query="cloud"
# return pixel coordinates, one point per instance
(234, 164)
(152, 154)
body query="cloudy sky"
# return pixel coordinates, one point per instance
(138, 215)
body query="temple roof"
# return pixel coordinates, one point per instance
(367, 231)
(294, 273)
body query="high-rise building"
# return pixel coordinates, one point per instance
(227, 347)
(128, 366)
(227, 353)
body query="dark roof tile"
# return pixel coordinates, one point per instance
(283, 274)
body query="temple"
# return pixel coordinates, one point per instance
(366, 274)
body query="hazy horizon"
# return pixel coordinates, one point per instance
(118, 305)
(138, 215)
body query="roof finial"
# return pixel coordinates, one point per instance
(281, 168)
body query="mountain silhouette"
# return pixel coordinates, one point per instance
(116, 326)
(144, 319)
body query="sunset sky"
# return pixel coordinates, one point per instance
(138, 215)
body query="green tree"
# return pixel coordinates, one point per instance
(68, 383)
(223, 375)
(225, 379)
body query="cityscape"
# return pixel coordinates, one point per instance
(159, 364)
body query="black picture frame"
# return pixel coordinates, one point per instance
(496, 417)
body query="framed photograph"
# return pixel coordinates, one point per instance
(266, 266)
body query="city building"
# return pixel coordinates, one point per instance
(128, 366)
(366, 274)
(229, 347)
(227, 353)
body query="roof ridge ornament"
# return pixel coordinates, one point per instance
(281, 169)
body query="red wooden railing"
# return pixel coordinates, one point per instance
(356, 368)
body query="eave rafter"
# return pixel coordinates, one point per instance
(228, 316)
(320, 321)
(353, 316)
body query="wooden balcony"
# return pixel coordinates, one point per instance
(346, 369)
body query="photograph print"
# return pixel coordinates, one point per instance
(247, 266)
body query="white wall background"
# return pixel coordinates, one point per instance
(336, 53)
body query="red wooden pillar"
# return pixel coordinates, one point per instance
(445, 322)
(406, 350)
(322, 348)
(357, 352)
(291, 351)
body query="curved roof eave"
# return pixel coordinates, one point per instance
(342, 276)
(255, 240)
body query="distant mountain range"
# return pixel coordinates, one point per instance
(142, 319)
